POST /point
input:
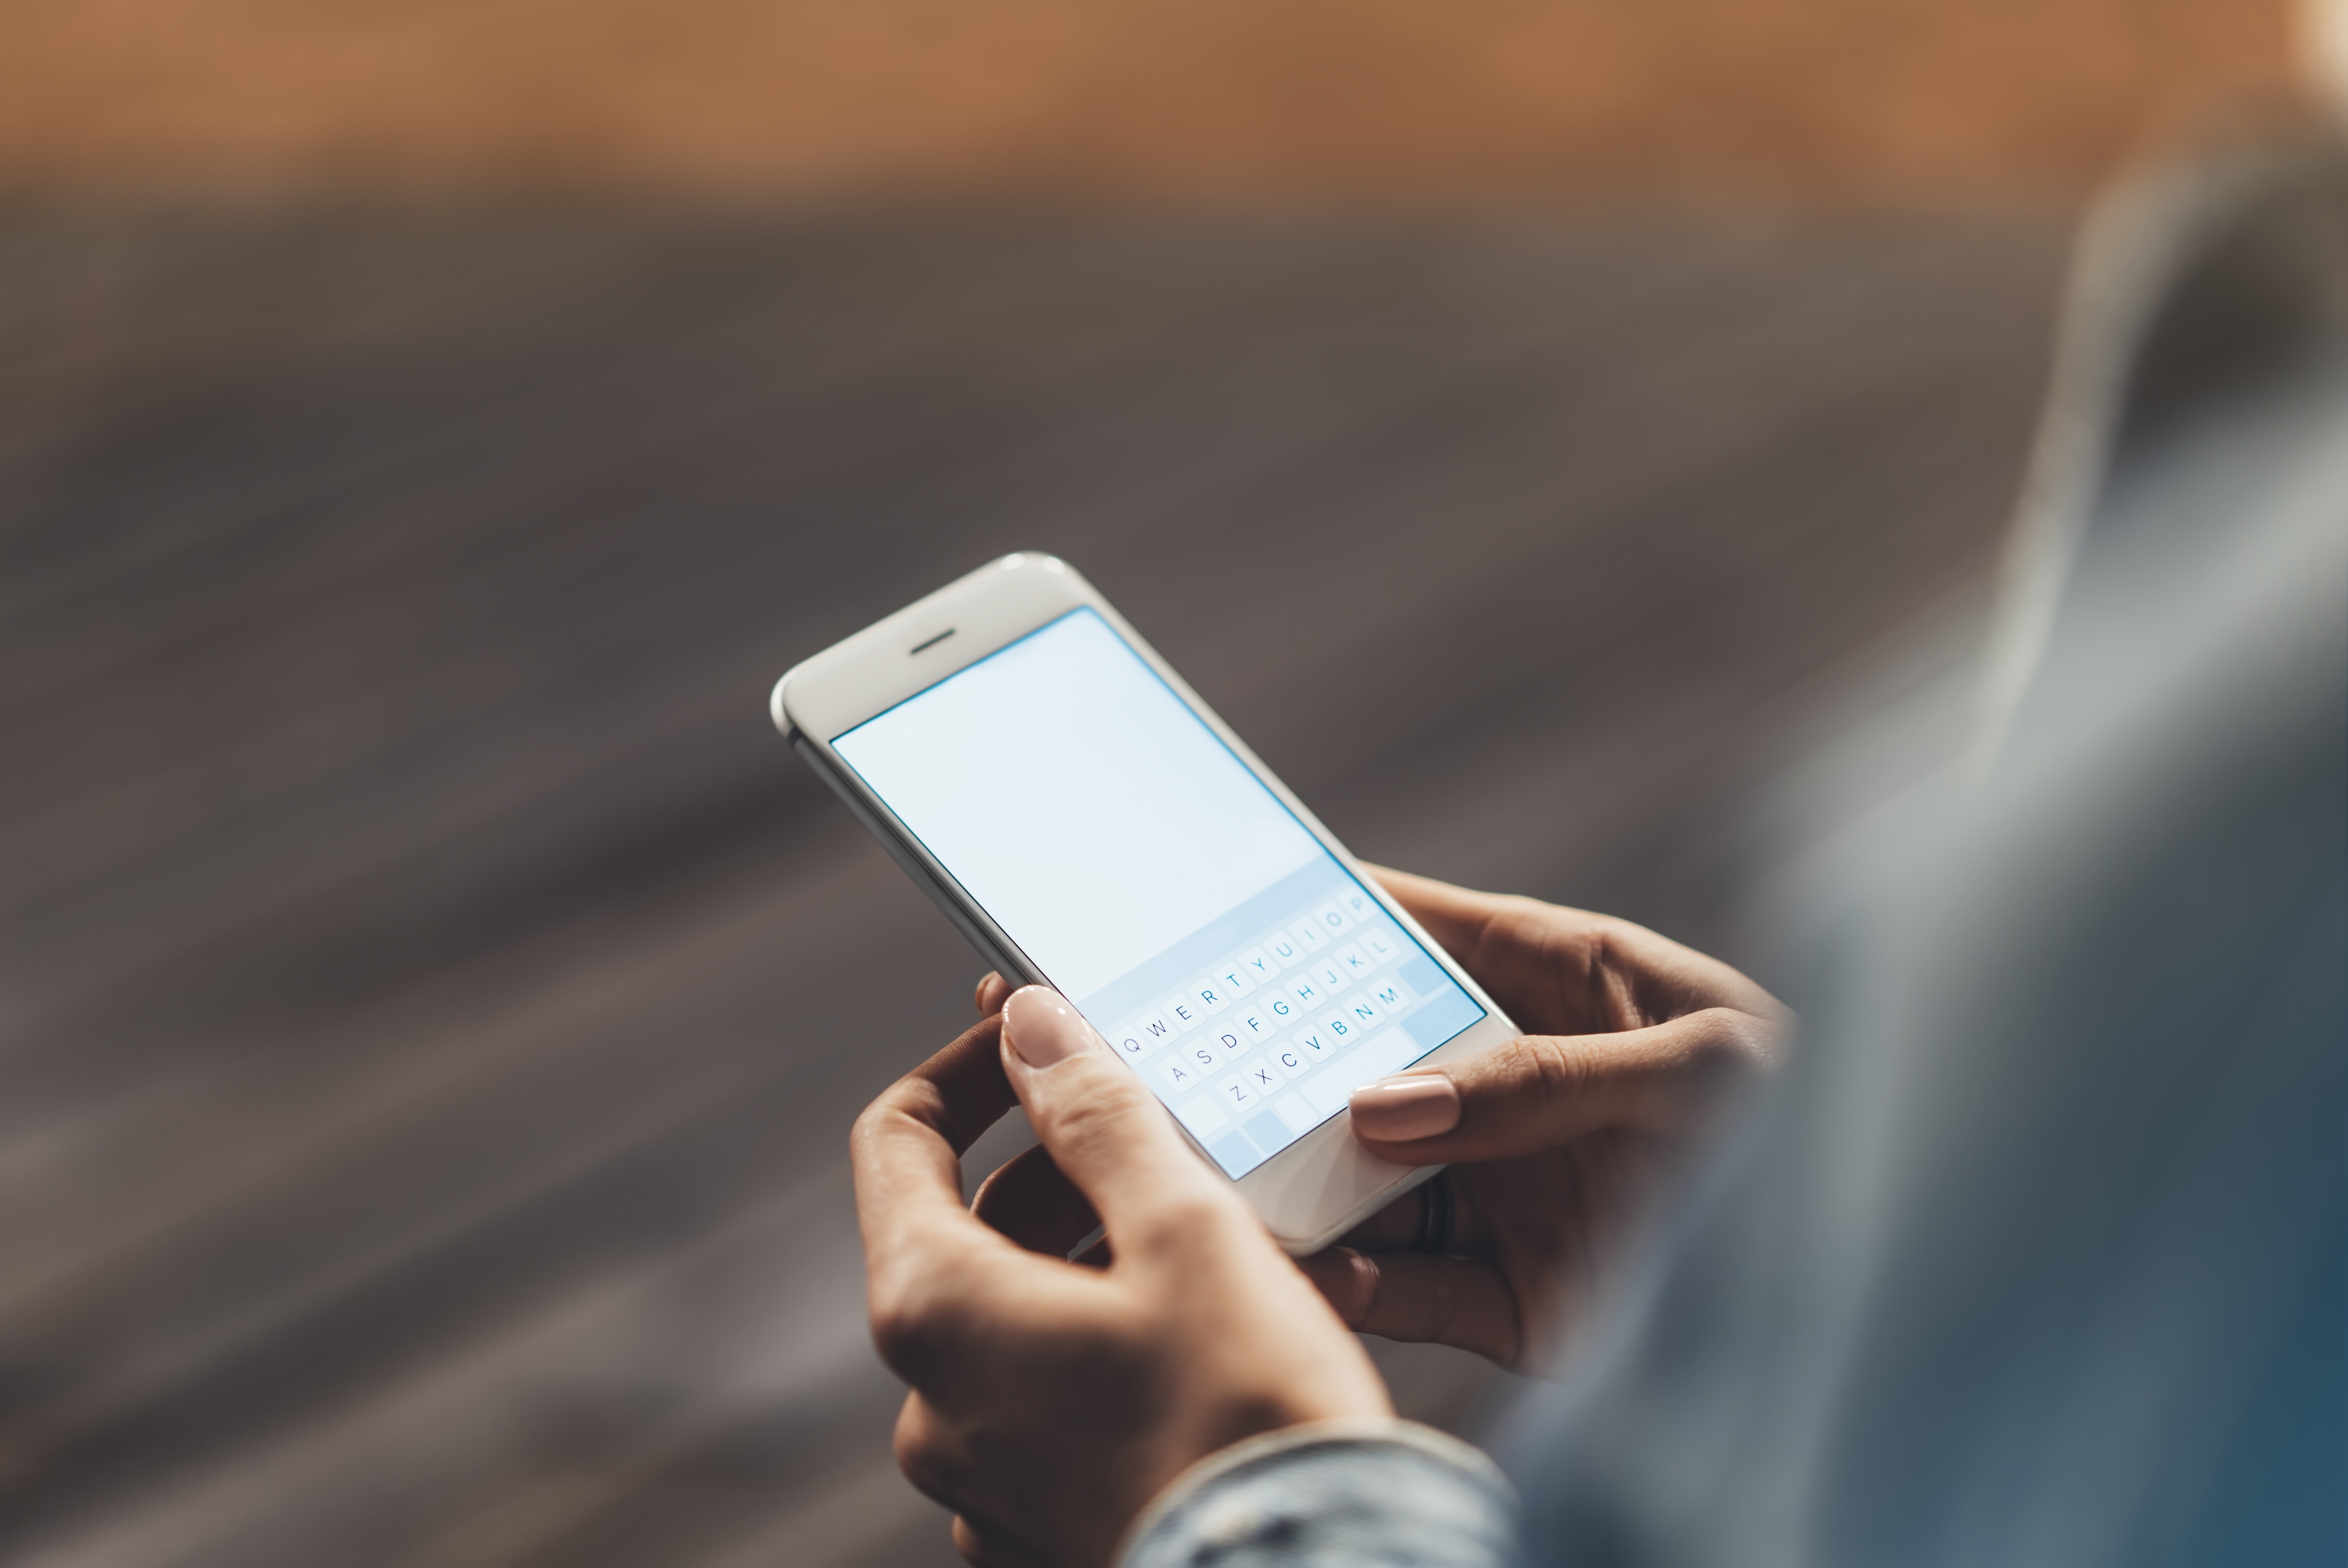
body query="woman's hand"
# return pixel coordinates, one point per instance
(1554, 1139)
(1050, 1401)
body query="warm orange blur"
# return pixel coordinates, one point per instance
(1215, 98)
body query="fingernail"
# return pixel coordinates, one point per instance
(1042, 1028)
(1397, 1110)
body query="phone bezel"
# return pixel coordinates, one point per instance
(1318, 1187)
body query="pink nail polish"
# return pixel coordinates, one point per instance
(1042, 1028)
(1397, 1110)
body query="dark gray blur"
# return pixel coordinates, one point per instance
(435, 1000)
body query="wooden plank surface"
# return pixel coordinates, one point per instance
(435, 1000)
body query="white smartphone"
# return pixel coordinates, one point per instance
(1090, 825)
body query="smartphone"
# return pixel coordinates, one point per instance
(1089, 824)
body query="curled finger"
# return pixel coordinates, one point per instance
(1433, 1218)
(1115, 1142)
(1461, 1302)
(991, 993)
(929, 1454)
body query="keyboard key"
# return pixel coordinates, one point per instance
(1439, 1015)
(1210, 996)
(1265, 1127)
(1327, 984)
(1180, 1074)
(1422, 975)
(1235, 1151)
(1390, 1052)
(1328, 1093)
(1285, 950)
(1202, 1116)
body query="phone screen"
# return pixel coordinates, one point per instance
(1159, 885)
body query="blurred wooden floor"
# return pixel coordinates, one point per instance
(434, 1000)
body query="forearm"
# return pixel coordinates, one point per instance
(1387, 1494)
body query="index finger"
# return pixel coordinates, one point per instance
(1455, 916)
(1106, 1130)
(906, 1150)
(1537, 960)
(1561, 971)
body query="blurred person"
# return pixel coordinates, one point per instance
(2036, 1251)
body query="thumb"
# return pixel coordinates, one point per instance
(1539, 1091)
(1102, 1126)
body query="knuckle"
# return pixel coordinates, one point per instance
(897, 1339)
(892, 1104)
(1103, 1115)
(920, 1453)
(909, 1323)
(1549, 1068)
(1609, 971)
(1514, 924)
(1760, 1038)
(1178, 1226)
(1725, 1052)
(862, 1132)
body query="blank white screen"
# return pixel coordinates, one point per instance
(1078, 801)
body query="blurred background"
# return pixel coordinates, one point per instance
(433, 1002)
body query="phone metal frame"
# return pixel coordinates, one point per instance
(1319, 1186)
